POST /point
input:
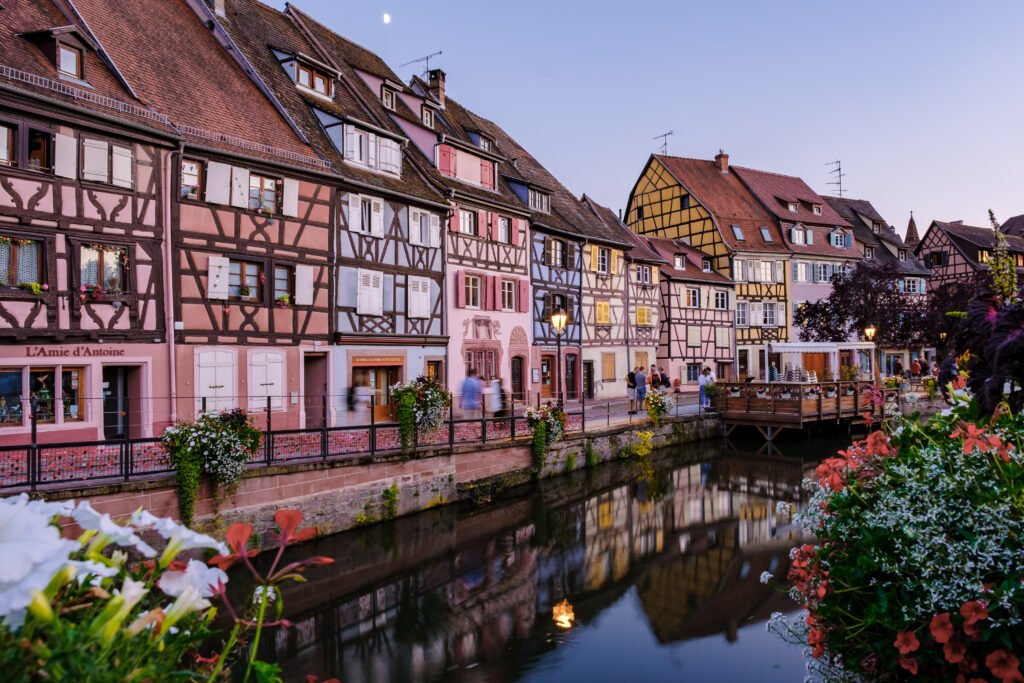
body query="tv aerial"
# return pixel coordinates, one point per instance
(426, 59)
(664, 141)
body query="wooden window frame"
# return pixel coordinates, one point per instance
(244, 266)
(101, 269)
(692, 297)
(604, 261)
(78, 393)
(47, 135)
(724, 298)
(16, 243)
(468, 222)
(260, 206)
(539, 201)
(200, 177)
(706, 265)
(742, 311)
(313, 74)
(694, 376)
(643, 274)
(473, 286)
(10, 150)
(427, 117)
(78, 73)
(387, 98)
(289, 275)
(504, 236)
(559, 262)
(508, 295)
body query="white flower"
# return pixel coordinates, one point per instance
(31, 552)
(60, 508)
(196, 575)
(189, 601)
(766, 577)
(179, 537)
(90, 519)
(257, 596)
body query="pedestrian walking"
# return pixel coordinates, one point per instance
(496, 398)
(641, 389)
(472, 392)
(631, 390)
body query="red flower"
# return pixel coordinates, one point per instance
(878, 444)
(974, 438)
(941, 627)
(237, 536)
(1004, 665)
(906, 642)
(973, 611)
(909, 663)
(955, 651)
(973, 631)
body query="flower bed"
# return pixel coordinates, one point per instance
(918, 572)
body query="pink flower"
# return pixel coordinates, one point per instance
(909, 663)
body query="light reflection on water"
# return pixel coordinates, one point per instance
(661, 566)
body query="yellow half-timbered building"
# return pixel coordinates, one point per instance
(705, 205)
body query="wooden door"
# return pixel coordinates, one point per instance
(547, 376)
(381, 380)
(517, 378)
(816, 362)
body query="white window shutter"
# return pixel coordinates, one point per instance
(218, 183)
(290, 199)
(303, 285)
(266, 379)
(377, 292)
(419, 297)
(810, 236)
(95, 158)
(435, 230)
(218, 269)
(354, 211)
(240, 187)
(371, 151)
(377, 217)
(121, 171)
(371, 293)
(65, 156)
(414, 227)
(215, 380)
(364, 279)
(350, 142)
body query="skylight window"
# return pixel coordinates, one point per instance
(737, 232)
(765, 235)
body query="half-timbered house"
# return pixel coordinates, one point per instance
(83, 223)
(634, 311)
(697, 310)
(388, 317)
(955, 253)
(483, 229)
(704, 204)
(251, 218)
(819, 239)
(878, 243)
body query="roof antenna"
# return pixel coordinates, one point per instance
(838, 174)
(664, 141)
(426, 59)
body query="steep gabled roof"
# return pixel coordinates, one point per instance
(1013, 226)
(728, 201)
(862, 216)
(984, 238)
(912, 238)
(640, 249)
(174, 62)
(694, 271)
(259, 31)
(24, 67)
(775, 190)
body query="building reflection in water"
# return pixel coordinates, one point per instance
(471, 597)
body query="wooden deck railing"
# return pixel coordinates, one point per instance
(795, 403)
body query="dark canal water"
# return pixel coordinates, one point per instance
(660, 562)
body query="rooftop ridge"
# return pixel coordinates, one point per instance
(255, 146)
(80, 94)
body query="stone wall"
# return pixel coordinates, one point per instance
(340, 495)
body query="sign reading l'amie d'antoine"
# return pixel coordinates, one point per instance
(72, 352)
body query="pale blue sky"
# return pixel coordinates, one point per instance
(922, 101)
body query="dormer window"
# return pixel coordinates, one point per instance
(485, 144)
(69, 61)
(869, 252)
(387, 97)
(705, 265)
(799, 236)
(984, 256)
(876, 227)
(794, 207)
(313, 79)
(679, 262)
(817, 209)
(428, 117)
(766, 235)
(838, 239)
(540, 201)
(903, 254)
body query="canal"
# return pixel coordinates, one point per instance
(658, 559)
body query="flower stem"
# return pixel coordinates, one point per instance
(256, 638)
(224, 654)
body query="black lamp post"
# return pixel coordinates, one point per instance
(559, 319)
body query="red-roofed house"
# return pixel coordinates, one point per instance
(706, 206)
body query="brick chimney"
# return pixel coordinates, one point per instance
(435, 86)
(722, 160)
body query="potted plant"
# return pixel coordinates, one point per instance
(33, 287)
(244, 291)
(282, 301)
(830, 392)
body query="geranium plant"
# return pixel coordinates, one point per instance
(421, 405)
(548, 424)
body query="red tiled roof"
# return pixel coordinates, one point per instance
(667, 250)
(775, 190)
(24, 67)
(729, 202)
(175, 64)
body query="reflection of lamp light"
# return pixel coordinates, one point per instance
(563, 615)
(942, 336)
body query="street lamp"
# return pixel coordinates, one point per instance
(869, 334)
(559, 319)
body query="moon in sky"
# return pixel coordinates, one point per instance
(387, 18)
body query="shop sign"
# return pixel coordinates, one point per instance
(73, 352)
(378, 360)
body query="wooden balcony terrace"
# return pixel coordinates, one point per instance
(771, 407)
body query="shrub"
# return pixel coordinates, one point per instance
(591, 455)
(217, 445)
(918, 572)
(540, 445)
(570, 462)
(389, 502)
